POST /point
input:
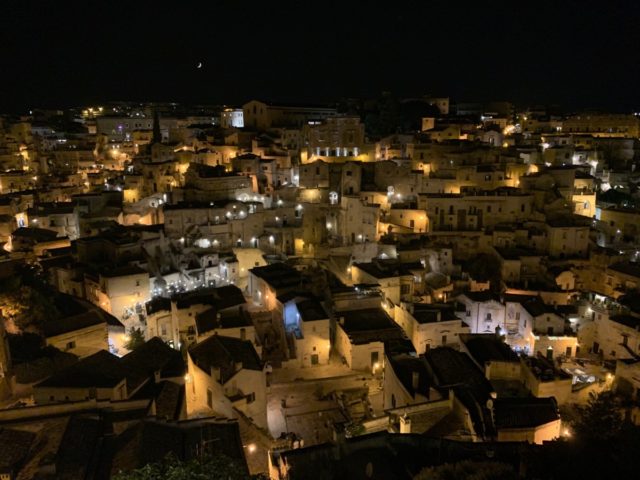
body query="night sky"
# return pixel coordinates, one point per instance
(573, 53)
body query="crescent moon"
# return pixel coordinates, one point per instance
(199, 65)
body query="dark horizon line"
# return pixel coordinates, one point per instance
(518, 105)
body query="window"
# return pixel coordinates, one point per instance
(411, 223)
(488, 317)
(251, 398)
(137, 283)
(405, 289)
(488, 208)
(522, 208)
(348, 173)
(517, 315)
(374, 358)
(209, 398)
(70, 345)
(444, 339)
(468, 313)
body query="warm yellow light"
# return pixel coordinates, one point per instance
(509, 129)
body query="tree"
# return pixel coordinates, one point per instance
(599, 420)
(468, 470)
(218, 467)
(25, 304)
(602, 445)
(136, 339)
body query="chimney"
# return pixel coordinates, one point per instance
(490, 407)
(405, 424)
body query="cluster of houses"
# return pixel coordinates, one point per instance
(483, 272)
